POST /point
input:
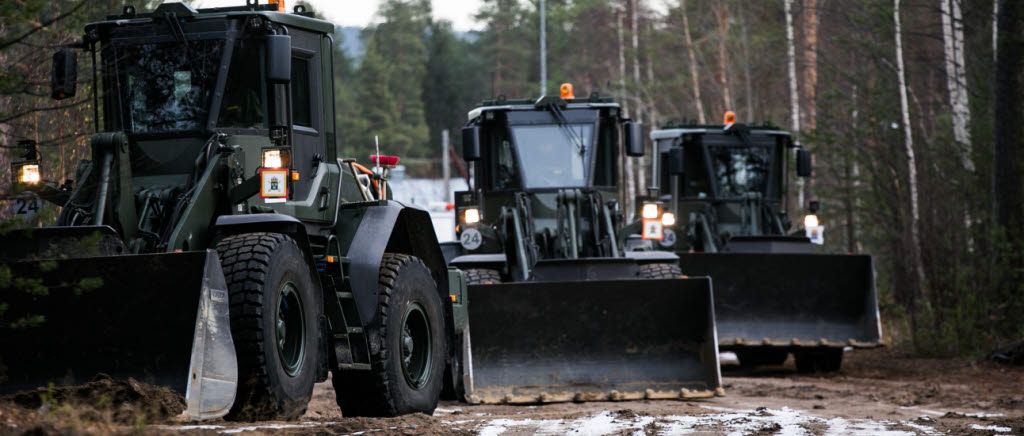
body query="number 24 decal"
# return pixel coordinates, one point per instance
(25, 206)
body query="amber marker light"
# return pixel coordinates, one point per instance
(730, 117)
(566, 91)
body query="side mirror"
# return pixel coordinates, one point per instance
(64, 77)
(634, 136)
(814, 206)
(803, 162)
(471, 143)
(279, 58)
(675, 162)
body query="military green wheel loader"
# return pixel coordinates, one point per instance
(214, 243)
(559, 311)
(726, 188)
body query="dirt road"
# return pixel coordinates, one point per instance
(877, 392)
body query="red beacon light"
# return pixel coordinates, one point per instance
(384, 161)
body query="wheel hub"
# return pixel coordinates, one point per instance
(416, 346)
(290, 329)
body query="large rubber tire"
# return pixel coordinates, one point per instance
(660, 271)
(271, 289)
(755, 358)
(818, 360)
(482, 276)
(408, 298)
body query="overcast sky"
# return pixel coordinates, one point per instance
(361, 13)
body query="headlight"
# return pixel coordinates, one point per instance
(668, 219)
(650, 211)
(26, 172)
(271, 158)
(810, 221)
(471, 216)
(276, 158)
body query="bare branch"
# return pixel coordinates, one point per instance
(41, 26)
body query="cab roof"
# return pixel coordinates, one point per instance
(301, 17)
(675, 132)
(502, 104)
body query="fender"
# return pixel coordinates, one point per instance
(389, 227)
(492, 261)
(643, 257)
(228, 225)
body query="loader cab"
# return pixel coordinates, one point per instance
(537, 149)
(530, 148)
(733, 179)
(187, 85)
(720, 166)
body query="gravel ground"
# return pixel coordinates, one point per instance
(877, 392)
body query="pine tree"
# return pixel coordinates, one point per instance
(377, 108)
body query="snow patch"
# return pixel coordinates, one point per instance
(991, 428)
(267, 427)
(784, 422)
(441, 411)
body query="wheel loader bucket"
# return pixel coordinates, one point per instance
(790, 300)
(538, 342)
(159, 318)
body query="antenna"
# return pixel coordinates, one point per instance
(376, 163)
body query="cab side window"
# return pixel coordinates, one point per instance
(502, 161)
(244, 104)
(301, 110)
(505, 167)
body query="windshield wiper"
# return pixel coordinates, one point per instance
(563, 124)
(179, 36)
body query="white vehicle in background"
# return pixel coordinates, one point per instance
(429, 194)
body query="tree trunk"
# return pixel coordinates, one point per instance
(723, 56)
(995, 29)
(628, 162)
(810, 76)
(794, 96)
(1006, 183)
(956, 78)
(694, 78)
(915, 214)
(747, 88)
(852, 181)
(652, 106)
(634, 8)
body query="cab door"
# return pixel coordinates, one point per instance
(308, 121)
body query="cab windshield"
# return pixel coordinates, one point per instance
(554, 156)
(738, 170)
(167, 86)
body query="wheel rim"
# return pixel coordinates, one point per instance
(416, 346)
(291, 329)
